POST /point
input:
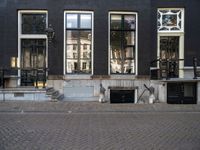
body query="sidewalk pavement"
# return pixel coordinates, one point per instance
(91, 107)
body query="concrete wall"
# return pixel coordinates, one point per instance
(28, 95)
(88, 89)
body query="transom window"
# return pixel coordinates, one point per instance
(33, 23)
(170, 20)
(122, 43)
(78, 42)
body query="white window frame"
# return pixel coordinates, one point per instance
(92, 45)
(30, 36)
(180, 34)
(182, 10)
(136, 43)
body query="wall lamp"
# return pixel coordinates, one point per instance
(50, 33)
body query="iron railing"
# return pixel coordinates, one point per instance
(167, 68)
(196, 61)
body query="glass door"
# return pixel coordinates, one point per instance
(33, 57)
(169, 55)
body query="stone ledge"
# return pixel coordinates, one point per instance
(100, 77)
(122, 88)
(55, 77)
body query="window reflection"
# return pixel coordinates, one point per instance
(116, 21)
(129, 38)
(78, 45)
(129, 52)
(129, 22)
(122, 44)
(72, 37)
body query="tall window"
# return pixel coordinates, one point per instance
(78, 42)
(123, 43)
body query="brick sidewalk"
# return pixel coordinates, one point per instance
(32, 106)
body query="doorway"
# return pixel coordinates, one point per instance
(33, 57)
(171, 54)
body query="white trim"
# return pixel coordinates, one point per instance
(30, 36)
(33, 36)
(179, 33)
(136, 96)
(136, 40)
(182, 11)
(92, 42)
(190, 67)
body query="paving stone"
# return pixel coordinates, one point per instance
(100, 131)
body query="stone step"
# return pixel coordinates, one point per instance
(54, 94)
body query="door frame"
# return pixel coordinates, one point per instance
(29, 36)
(181, 50)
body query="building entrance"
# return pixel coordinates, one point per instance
(33, 58)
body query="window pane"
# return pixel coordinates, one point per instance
(116, 54)
(85, 51)
(115, 45)
(85, 21)
(129, 38)
(33, 53)
(115, 40)
(116, 66)
(40, 58)
(169, 20)
(129, 22)
(72, 65)
(72, 20)
(129, 53)
(72, 37)
(33, 23)
(72, 51)
(85, 66)
(129, 66)
(85, 37)
(85, 44)
(116, 21)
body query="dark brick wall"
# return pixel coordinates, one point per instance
(147, 35)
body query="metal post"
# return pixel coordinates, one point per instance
(167, 69)
(195, 67)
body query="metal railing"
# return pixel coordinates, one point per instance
(28, 76)
(196, 61)
(165, 68)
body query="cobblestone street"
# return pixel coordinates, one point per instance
(99, 130)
